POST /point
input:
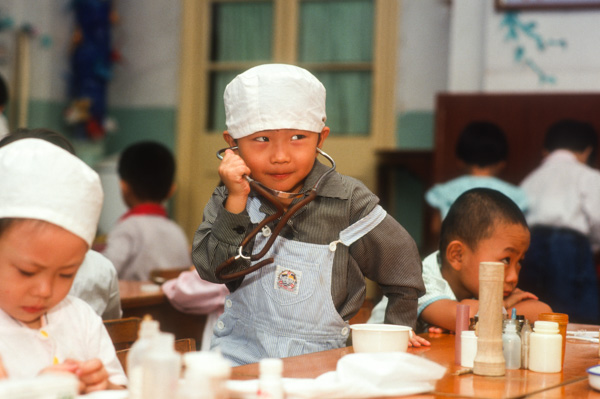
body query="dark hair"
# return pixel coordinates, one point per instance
(570, 134)
(44, 134)
(149, 169)
(3, 92)
(474, 215)
(482, 143)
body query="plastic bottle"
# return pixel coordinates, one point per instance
(511, 346)
(161, 368)
(468, 348)
(545, 347)
(148, 330)
(206, 375)
(270, 383)
(525, 332)
(562, 319)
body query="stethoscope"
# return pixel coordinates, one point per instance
(271, 195)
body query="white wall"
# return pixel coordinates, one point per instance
(574, 68)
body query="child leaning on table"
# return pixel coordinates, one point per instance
(482, 225)
(50, 203)
(275, 116)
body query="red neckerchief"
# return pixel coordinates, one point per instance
(146, 209)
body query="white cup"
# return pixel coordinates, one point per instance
(380, 337)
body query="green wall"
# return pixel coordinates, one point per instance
(133, 124)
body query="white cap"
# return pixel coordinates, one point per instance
(274, 96)
(39, 180)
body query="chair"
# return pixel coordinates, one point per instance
(159, 276)
(123, 332)
(182, 345)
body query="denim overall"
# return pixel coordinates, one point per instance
(285, 308)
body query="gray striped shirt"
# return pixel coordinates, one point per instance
(387, 255)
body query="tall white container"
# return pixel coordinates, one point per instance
(545, 348)
(162, 367)
(148, 330)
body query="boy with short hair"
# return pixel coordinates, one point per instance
(145, 238)
(482, 225)
(565, 222)
(301, 302)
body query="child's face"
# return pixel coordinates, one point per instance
(507, 244)
(38, 262)
(280, 159)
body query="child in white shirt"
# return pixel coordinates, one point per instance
(50, 203)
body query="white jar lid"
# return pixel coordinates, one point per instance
(545, 326)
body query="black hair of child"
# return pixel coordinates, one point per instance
(570, 134)
(149, 169)
(474, 216)
(3, 92)
(39, 133)
(482, 144)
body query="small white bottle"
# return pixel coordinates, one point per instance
(525, 332)
(148, 330)
(468, 348)
(511, 346)
(161, 368)
(270, 383)
(545, 348)
(206, 375)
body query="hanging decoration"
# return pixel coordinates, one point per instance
(518, 30)
(91, 61)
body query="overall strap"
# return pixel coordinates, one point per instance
(359, 229)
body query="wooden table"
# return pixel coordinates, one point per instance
(572, 382)
(139, 298)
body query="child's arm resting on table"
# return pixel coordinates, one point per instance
(442, 313)
(526, 303)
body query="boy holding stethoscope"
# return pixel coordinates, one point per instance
(325, 235)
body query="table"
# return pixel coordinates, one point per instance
(139, 298)
(572, 382)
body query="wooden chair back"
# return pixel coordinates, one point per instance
(181, 345)
(123, 332)
(159, 276)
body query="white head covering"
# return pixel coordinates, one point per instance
(39, 180)
(274, 96)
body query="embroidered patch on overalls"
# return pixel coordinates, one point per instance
(287, 279)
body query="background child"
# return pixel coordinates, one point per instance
(145, 238)
(96, 280)
(301, 302)
(50, 203)
(564, 216)
(483, 150)
(482, 225)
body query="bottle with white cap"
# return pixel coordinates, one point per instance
(511, 346)
(161, 368)
(206, 375)
(545, 347)
(270, 383)
(148, 330)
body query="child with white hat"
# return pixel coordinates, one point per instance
(302, 301)
(50, 202)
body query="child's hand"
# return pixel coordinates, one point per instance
(416, 342)
(3, 373)
(232, 171)
(517, 296)
(437, 330)
(93, 375)
(69, 366)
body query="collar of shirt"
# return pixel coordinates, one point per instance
(146, 209)
(560, 155)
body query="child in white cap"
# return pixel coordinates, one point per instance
(301, 302)
(50, 202)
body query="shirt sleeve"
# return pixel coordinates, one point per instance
(188, 293)
(113, 305)
(389, 256)
(218, 238)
